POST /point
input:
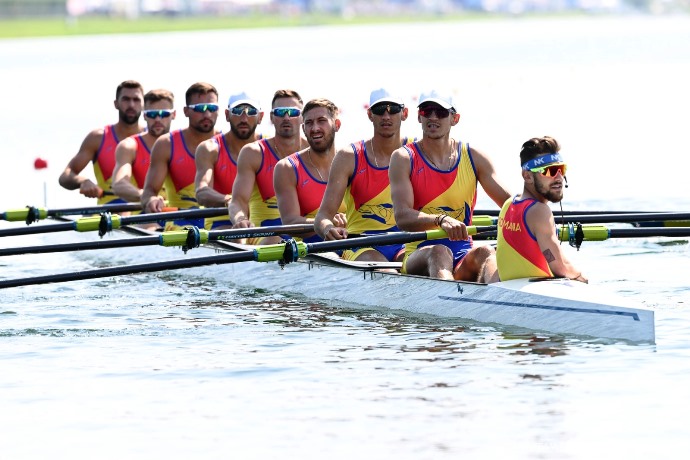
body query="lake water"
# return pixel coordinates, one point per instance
(180, 365)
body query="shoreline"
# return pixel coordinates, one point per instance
(101, 25)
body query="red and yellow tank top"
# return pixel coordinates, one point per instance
(452, 192)
(225, 169)
(179, 184)
(142, 161)
(263, 205)
(310, 190)
(224, 173)
(369, 207)
(517, 252)
(104, 164)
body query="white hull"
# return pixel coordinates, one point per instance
(556, 306)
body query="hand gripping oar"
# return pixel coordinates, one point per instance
(31, 214)
(107, 222)
(187, 239)
(284, 253)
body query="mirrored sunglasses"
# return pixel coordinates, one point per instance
(289, 111)
(429, 110)
(551, 170)
(249, 110)
(380, 109)
(204, 107)
(153, 114)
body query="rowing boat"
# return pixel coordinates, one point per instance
(557, 306)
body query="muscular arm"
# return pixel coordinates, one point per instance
(285, 186)
(125, 154)
(248, 163)
(341, 169)
(406, 217)
(486, 175)
(540, 220)
(205, 158)
(70, 178)
(151, 201)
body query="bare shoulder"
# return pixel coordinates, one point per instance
(209, 146)
(128, 143)
(94, 138)
(251, 149)
(478, 154)
(539, 213)
(400, 153)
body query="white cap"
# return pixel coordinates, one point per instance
(444, 100)
(242, 98)
(381, 95)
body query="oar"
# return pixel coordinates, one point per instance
(576, 234)
(645, 219)
(31, 214)
(187, 239)
(495, 212)
(284, 252)
(108, 222)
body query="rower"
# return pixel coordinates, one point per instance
(254, 202)
(300, 179)
(369, 208)
(99, 147)
(216, 158)
(434, 185)
(172, 156)
(527, 243)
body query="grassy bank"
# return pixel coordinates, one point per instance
(24, 28)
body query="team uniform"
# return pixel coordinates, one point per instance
(369, 208)
(452, 192)
(142, 161)
(310, 192)
(179, 184)
(104, 164)
(517, 251)
(263, 204)
(224, 173)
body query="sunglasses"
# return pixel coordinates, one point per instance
(204, 107)
(289, 111)
(380, 109)
(551, 170)
(250, 111)
(153, 114)
(429, 110)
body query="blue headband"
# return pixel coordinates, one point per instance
(542, 160)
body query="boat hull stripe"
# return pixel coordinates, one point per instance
(633, 315)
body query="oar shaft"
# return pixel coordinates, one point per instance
(191, 213)
(649, 232)
(495, 212)
(173, 238)
(87, 224)
(242, 256)
(623, 218)
(35, 229)
(259, 232)
(85, 246)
